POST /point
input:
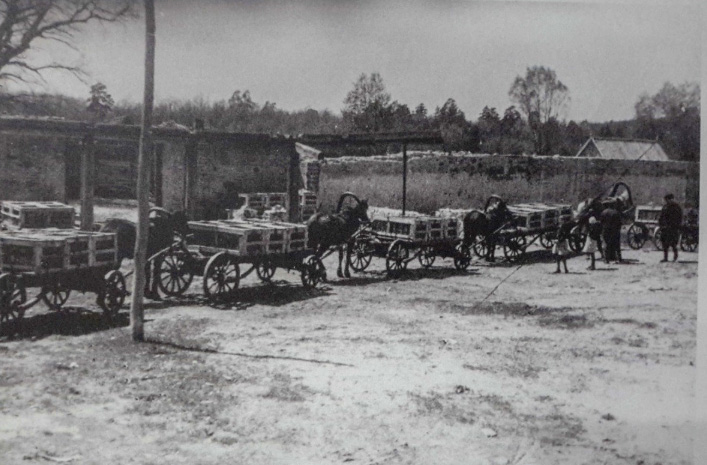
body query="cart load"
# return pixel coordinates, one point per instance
(33, 215)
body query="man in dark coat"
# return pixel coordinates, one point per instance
(670, 222)
(611, 234)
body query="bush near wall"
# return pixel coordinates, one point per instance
(466, 181)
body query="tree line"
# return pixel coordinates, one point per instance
(532, 124)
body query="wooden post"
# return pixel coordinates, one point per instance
(88, 171)
(157, 175)
(137, 316)
(190, 166)
(293, 183)
(405, 176)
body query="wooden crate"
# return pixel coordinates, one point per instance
(33, 215)
(86, 248)
(307, 197)
(416, 228)
(526, 217)
(31, 251)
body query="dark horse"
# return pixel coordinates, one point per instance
(336, 229)
(480, 226)
(162, 228)
(618, 198)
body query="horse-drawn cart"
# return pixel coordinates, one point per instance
(57, 261)
(645, 227)
(402, 239)
(218, 249)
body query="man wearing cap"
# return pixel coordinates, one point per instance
(670, 222)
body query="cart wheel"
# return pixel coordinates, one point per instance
(265, 270)
(656, 239)
(396, 260)
(688, 241)
(313, 271)
(462, 257)
(12, 295)
(547, 240)
(636, 236)
(360, 256)
(174, 275)
(113, 295)
(427, 256)
(480, 247)
(577, 239)
(221, 276)
(55, 295)
(514, 248)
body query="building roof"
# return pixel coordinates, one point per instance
(625, 149)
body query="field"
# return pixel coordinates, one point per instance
(587, 367)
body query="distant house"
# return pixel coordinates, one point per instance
(623, 149)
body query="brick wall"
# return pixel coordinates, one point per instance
(32, 167)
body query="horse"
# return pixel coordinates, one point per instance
(483, 224)
(162, 228)
(336, 230)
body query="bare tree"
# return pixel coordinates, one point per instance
(541, 97)
(24, 24)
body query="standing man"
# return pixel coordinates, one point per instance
(670, 222)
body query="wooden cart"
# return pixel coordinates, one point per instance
(218, 249)
(57, 262)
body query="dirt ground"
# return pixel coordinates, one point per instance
(584, 368)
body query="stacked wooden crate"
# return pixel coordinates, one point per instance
(52, 249)
(249, 238)
(34, 215)
(540, 215)
(307, 204)
(416, 228)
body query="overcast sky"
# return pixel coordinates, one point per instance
(307, 54)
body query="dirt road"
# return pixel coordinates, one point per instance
(589, 367)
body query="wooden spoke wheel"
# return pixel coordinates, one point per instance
(113, 294)
(360, 256)
(480, 246)
(55, 295)
(462, 257)
(221, 277)
(427, 256)
(636, 236)
(174, 275)
(396, 260)
(265, 270)
(514, 248)
(12, 296)
(577, 239)
(313, 271)
(547, 240)
(657, 239)
(689, 241)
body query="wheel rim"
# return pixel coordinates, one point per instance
(656, 239)
(55, 295)
(514, 248)
(462, 258)
(635, 237)
(113, 295)
(265, 271)
(547, 240)
(688, 243)
(396, 259)
(479, 246)
(221, 277)
(173, 274)
(12, 296)
(360, 258)
(576, 241)
(312, 271)
(427, 256)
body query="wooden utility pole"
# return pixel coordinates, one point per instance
(88, 171)
(137, 313)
